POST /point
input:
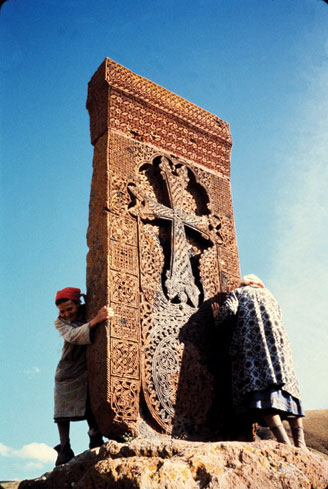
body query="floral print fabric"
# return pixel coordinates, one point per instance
(260, 352)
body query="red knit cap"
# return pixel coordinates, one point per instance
(69, 293)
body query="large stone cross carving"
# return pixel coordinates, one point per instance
(180, 282)
(158, 257)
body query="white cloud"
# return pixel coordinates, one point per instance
(32, 371)
(34, 466)
(300, 264)
(39, 452)
(4, 450)
(36, 451)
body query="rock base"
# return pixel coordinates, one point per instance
(175, 464)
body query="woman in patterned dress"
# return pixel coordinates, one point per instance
(71, 383)
(263, 377)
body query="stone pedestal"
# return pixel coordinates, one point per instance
(177, 464)
(162, 244)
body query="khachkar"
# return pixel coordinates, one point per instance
(161, 243)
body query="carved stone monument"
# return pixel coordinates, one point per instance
(162, 244)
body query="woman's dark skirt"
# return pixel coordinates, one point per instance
(271, 401)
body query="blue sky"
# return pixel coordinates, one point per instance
(260, 65)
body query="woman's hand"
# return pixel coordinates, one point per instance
(215, 309)
(104, 313)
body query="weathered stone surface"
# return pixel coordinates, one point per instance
(175, 464)
(162, 245)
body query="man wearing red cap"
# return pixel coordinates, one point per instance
(71, 384)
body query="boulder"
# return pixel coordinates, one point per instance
(173, 464)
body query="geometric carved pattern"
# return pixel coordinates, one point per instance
(226, 232)
(128, 114)
(124, 288)
(123, 229)
(179, 270)
(162, 241)
(208, 271)
(151, 261)
(124, 257)
(124, 358)
(123, 79)
(118, 198)
(125, 328)
(125, 398)
(125, 323)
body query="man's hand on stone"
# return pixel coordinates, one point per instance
(104, 313)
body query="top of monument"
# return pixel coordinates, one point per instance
(121, 78)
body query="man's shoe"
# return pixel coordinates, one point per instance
(65, 454)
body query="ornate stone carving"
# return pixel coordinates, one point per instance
(125, 323)
(124, 358)
(119, 198)
(125, 398)
(162, 242)
(123, 229)
(124, 288)
(208, 271)
(125, 329)
(124, 257)
(178, 264)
